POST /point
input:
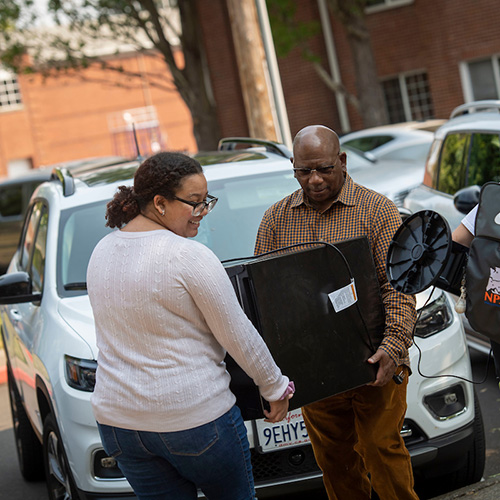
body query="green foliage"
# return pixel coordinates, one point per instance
(453, 163)
(288, 31)
(9, 14)
(484, 162)
(468, 160)
(83, 26)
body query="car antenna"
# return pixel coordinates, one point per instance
(129, 119)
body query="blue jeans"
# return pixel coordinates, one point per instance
(214, 457)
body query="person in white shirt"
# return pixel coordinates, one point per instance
(165, 314)
(464, 234)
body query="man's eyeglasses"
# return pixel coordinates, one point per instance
(200, 206)
(323, 171)
(306, 172)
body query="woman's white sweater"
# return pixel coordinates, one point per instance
(165, 314)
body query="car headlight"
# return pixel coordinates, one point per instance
(434, 317)
(80, 373)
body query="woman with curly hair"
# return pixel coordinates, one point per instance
(165, 315)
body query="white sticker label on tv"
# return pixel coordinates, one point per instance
(344, 297)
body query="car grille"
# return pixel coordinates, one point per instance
(283, 463)
(300, 460)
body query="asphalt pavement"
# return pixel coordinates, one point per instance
(488, 489)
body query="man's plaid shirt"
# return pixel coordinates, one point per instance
(357, 212)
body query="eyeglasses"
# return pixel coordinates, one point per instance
(200, 206)
(323, 171)
(306, 172)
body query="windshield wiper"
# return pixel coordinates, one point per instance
(76, 286)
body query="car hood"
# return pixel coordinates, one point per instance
(77, 313)
(389, 178)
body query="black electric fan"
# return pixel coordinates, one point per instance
(422, 254)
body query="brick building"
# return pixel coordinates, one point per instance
(45, 121)
(431, 56)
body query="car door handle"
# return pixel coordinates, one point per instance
(15, 315)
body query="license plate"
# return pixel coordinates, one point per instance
(289, 432)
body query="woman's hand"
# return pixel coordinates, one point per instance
(279, 409)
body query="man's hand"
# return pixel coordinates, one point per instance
(279, 409)
(385, 369)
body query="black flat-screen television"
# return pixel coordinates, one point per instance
(319, 310)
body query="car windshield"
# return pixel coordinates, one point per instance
(229, 230)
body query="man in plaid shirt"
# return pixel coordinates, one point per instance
(355, 435)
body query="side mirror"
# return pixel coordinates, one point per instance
(16, 288)
(466, 199)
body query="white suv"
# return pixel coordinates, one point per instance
(465, 154)
(48, 333)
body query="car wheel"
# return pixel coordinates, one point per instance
(28, 446)
(60, 483)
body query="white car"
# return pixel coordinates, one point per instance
(49, 338)
(464, 155)
(392, 178)
(409, 141)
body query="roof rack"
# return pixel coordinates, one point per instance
(66, 179)
(230, 144)
(475, 107)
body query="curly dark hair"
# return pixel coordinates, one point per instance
(160, 174)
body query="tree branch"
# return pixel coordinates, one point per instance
(335, 87)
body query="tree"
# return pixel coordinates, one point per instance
(289, 33)
(371, 99)
(145, 25)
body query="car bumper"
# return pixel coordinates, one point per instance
(85, 495)
(443, 454)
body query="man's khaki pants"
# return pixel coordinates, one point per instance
(357, 433)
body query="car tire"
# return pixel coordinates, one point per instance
(472, 471)
(60, 483)
(28, 446)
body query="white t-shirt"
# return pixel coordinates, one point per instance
(165, 314)
(469, 221)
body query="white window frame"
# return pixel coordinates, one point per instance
(388, 4)
(465, 76)
(401, 77)
(14, 90)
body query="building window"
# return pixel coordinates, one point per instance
(481, 79)
(10, 94)
(408, 97)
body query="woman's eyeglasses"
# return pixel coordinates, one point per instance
(200, 206)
